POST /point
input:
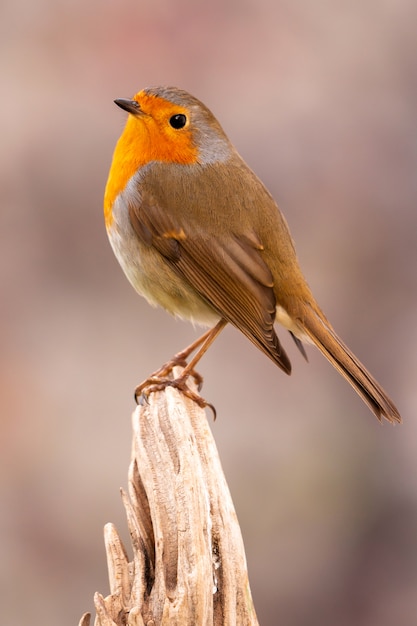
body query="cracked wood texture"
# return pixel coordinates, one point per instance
(189, 565)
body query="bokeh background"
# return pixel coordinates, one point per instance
(320, 98)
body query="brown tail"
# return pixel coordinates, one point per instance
(339, 355)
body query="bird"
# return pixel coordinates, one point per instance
(198, 234)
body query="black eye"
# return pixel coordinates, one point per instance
(178, 121)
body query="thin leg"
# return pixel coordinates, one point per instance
(180, 357)
(158, 380)
(205, 341)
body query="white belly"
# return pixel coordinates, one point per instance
(151, 275)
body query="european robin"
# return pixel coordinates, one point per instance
(197, 233)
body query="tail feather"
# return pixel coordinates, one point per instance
(332, 347)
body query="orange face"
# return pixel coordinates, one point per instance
(151, 134)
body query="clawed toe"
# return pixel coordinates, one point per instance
(158, 383)
(163, 378)
(150, 385)
(198, 379)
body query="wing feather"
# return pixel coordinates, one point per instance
(226, 271)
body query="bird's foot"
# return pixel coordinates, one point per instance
(159, 380)
(162, 377)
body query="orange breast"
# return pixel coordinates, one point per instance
(146, 138)
(128, 158)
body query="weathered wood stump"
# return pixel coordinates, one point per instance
(189, 565)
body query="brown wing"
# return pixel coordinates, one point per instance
(227, 271)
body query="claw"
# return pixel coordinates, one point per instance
(141, 398)
(157, 382)
(198, 379)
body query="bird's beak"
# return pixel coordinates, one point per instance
(131, 106)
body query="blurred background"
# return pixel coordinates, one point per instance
(320, 99)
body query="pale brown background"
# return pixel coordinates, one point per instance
(321, 100)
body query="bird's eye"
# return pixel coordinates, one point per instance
(178, 121)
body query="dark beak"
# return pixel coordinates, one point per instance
(131, 106)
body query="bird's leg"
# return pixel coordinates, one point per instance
(158, 380)
(178, 359)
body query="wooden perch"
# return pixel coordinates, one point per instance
(189, 565)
